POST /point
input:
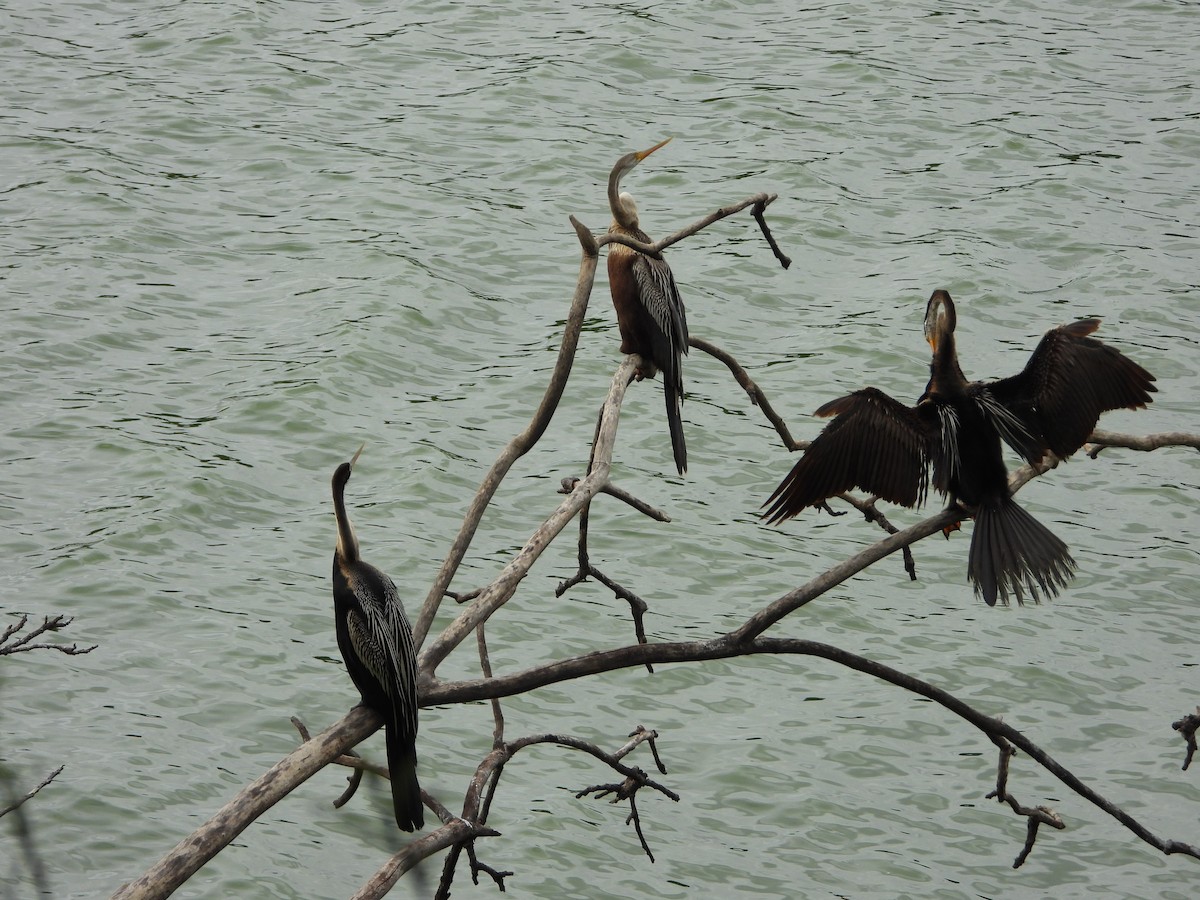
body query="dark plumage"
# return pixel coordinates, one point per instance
(650, 313)
(879, 445)
(377, 644)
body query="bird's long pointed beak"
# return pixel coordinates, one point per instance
(645, 153)
(357, 454)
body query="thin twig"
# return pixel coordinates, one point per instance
(21, 801)
(485, 666)
(567, 485)
(748, 384)
(25, 643)
(760, 218)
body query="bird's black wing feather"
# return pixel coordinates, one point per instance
(666, 321)
(1068, 382)
(875, 443)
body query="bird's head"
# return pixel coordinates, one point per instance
(347, 542)
(939, 318)
(624, 210)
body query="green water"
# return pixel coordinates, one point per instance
(238, 240)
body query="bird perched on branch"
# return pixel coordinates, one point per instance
(650, 313)
(377, 644)
(879, 445)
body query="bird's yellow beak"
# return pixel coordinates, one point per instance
(354, 459)
(645, 153)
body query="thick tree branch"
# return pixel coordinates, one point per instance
(161, 879)
(1101, 439)
(727, 648)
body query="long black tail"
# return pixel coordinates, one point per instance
(674, 396)
(1014, 553)
(406, 792)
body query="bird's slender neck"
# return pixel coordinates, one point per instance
(347, 541)
(945, 372)
(624, 217)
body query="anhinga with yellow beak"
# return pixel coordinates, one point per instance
(650, 313)
(879, 445)
(377, 644)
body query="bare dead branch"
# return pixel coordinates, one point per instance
(760, 217)
(187, 857)
(1101, 439)
(521, 444)
(25, 643)
(1035, 816)
(485, 666)
(231, 820)
(639, 735)
(456, 831)
(728, 647)
(18, 802)
(1187, 729)
(349, 759)
(655, 249)
(637, 606)
(499, 591)
(757, 397)
(568, 485)
(871, 513)
(477, 867)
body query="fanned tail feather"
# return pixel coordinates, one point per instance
(1012, 553)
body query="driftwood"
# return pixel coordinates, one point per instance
(459, 833)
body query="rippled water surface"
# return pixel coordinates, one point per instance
(237, 240)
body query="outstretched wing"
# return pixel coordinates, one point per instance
(1068, 382)
(875, 443)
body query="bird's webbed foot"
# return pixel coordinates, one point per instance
(646, 370)
(962, 513)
